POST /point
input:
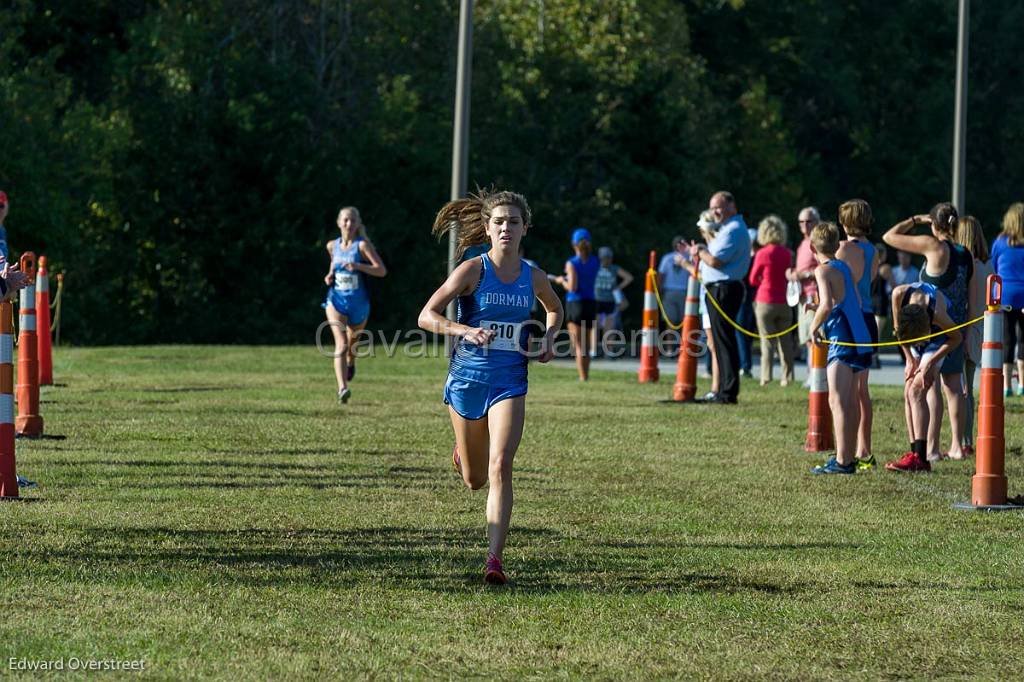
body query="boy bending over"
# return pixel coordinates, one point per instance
(919, 309)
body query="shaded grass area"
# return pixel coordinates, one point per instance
(213, 511)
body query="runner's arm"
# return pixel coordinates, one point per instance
(461, 282)
(553, 312)
(375, 268)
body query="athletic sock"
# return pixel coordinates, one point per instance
(920, 448)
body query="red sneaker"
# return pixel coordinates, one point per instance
(456, 460)
(909, 462)
(494, 574)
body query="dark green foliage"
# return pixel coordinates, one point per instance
(183, 162)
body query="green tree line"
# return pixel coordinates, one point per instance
(183, 161)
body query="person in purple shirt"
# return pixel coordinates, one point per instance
(1008, 262)
(673, 278)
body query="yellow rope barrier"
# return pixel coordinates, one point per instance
(722, 312)
(755, 335)
(661, 307)
(56, 304)
(908, 341)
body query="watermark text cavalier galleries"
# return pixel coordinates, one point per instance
(417, 343)
(74, 663)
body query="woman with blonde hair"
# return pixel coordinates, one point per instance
(970, 236)
(486, 387)
(348, 302)
(1008, 262)
(768, 274)
(950, 267)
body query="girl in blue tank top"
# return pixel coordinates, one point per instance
(348, 303)
(486, 386)
(951, 269)
(580, 304)
(858, 253)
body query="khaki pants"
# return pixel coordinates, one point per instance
(771, 319)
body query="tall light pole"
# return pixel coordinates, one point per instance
(960, 122)
(460, 140)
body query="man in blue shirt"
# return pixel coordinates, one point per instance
(724, 265)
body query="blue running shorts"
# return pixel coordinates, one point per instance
(356, 311)
(473, 399)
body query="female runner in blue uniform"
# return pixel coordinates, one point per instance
(950, 267)
(860, 256)
(486, 387)
(348, 303)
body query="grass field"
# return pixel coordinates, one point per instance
(213, 511)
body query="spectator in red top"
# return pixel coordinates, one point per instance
(768, 274)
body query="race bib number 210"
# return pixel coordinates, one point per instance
(506, 334)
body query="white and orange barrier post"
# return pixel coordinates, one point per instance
(988, 486)
(689, 350)
(8, 468)
(28, 423)
(649, 341)
(43, 323)
(819, 416)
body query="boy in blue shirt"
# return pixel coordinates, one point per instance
(839, 319)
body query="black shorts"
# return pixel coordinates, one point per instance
(872, 325)
(580, 311)
(605, 307)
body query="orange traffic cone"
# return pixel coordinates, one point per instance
(43, 319)
(8, 470)
(819, 416)
(28, 422)
(649, 343)
(988, 486)
(689, 350)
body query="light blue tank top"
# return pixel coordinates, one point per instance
(348, 285)
(503, 308)
(586, 274)
(846, 321)
(864, 283)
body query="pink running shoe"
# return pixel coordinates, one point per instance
(494, 574)
(909, 463)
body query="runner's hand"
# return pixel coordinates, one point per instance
(479, 336)
(329, 278)
(910, 369)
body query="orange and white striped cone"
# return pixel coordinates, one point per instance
(649, 340)
(8, 468)
(819, 416)
(686, 372)
(43, 322)
(988, 486)
(28, 423)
